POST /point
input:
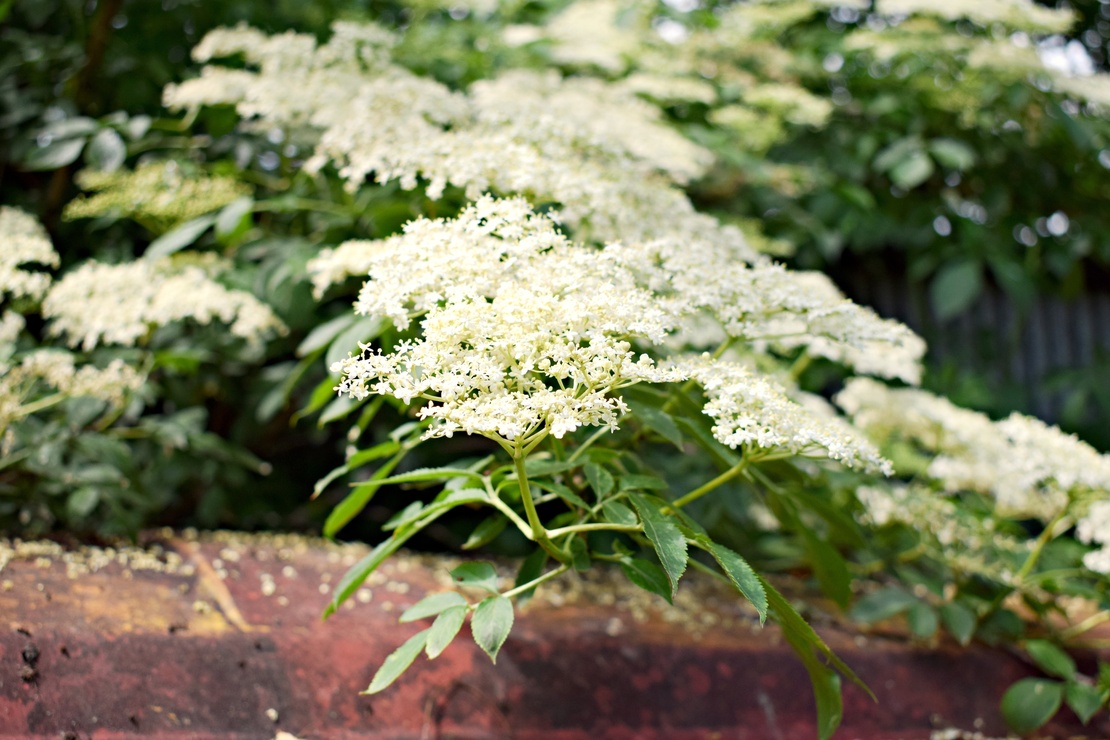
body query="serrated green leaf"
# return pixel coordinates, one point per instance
(664, 535)
(1030, 703)
(955, 287)
(433, 604)
(106, 151)
(1085, 700)
(477, 575)
(378, 451)
(486, 531)
(658, 421)
(444, 629)
(648, 576)
(561, 491)
(829, 567)
(399, 660)
(1051, 659)
(635, 482)
(601, 480)
(741, 575)
(959, 620)
(540, 468)
(321, 336)
(883, 604)
(491, 624)
(177, 239)
(618, 513)
(355, 501)
(579, 554)
(444, 502)
(436, 475)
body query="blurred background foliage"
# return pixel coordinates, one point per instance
(879, 151)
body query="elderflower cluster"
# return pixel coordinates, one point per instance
(155, 191)
(23, 241)
(751, 410)
(1019, 15)
(59, 369)
(100, 303)
(1031, 469)
(767, 304)
(967, 543)
(523, 332)
(378, 120)
(1094, 529)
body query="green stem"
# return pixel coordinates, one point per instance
(1089, 623)
(507, 510)
(720, 480)
(1038, 547)
(536, 581)
(539, 534)
(42, 403)
(593, 527)
(586, 445)
(800, 365)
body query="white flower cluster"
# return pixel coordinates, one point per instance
(121, 304)
(967, 543)
(1031, 469)
(59, 370)
(767, 304)
(1094, 529)
(544, 137)
(751, 410)
(23, 241)
(1020, 15)
(522, 331)
(154, 190)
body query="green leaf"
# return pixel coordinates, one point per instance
(580, 554)
(106, 151)
(424, 475)
(1085, 700)
(912, 171)
(828, 566)
(664, 535)
(358, 572)
(923, 620)
(444, 629)
(433, 604)
(234, 218)
(177, 239)
(953, 154)
(648, 576)
(705, 439)
(658, 421)
(896, 153)
(1051, 659)
(793, 626)
(539, 468)
(486, 531)
(346, 344)
(378, 451)
(601, 481)
(636, 482)
(82, 502)
(477, 574)
(741, 575)
(491, 624)
(530, 569)
(618, 513)
(444, 502)
(54, 155)
(883, 604)
(399, 660)
(955, 287)
(1030, 703)
(323, 334)
(559, 490)
(959, 620)
(355, 501)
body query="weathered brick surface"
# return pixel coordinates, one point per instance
(204, 648)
